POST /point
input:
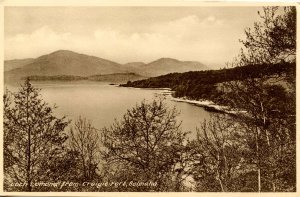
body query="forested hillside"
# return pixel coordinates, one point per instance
(206, 84)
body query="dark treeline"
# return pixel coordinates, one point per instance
(146, 150)
(115, 77)
(56, 78)
(206, 84)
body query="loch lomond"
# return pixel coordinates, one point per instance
(102, 103)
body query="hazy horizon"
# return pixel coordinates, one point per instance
(129, 34)
(146, 62)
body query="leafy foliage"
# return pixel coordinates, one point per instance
(270, 105)
(273, 39)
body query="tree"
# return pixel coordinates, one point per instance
(273, 39)
(147, 143)
(220, 154)
(264, 100)
(8, 137)
(84, 140)
(33, 136)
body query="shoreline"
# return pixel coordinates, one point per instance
(206, 104)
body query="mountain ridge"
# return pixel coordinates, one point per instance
(66, 62)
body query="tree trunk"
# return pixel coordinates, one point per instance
(219, 173)
(274, 186)
(28, 163)
(28, 148)
(221, 184)
(258, 161)
(258, 179)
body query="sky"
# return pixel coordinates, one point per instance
(129, 34)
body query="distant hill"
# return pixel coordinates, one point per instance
(164, 66)
(64, 63)
(134, 64)
(12, 64)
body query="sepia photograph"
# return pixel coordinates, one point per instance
(149, 98)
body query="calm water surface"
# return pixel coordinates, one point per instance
(102, 103)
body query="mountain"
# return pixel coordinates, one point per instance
(17, 63)
(164, 66)
(134, 64)
(69, 63)
(65, 62)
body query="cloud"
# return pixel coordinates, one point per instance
(38, 42)
(187, 38)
